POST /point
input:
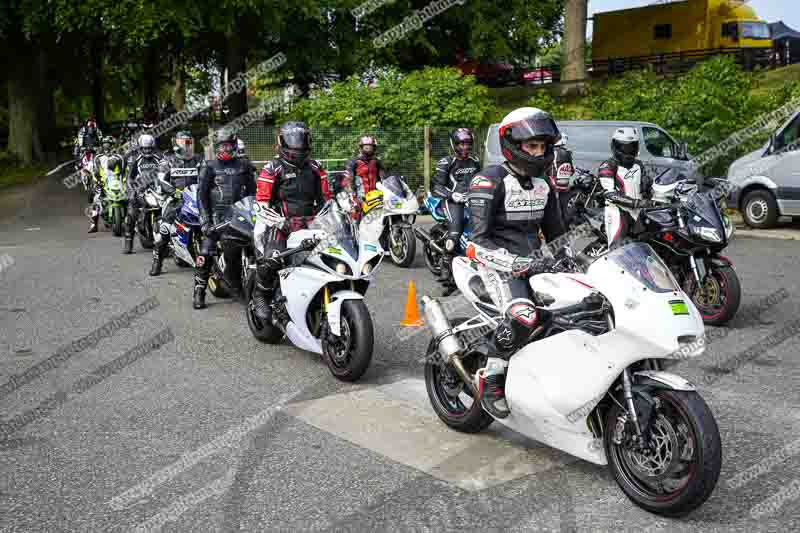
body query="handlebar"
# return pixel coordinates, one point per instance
(305, 246)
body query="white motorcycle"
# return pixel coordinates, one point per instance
(88, 172)
(318, 302)
(592, 383)
(400, 207)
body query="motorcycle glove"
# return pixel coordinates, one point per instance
(525, 267)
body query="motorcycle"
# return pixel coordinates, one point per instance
(149, 215)
(318, 299)
(115, 204)
(88, 172)
(592, 383)
(689, 235)
(399, 213)
(185, 234)
(433, 240)
(235, 234)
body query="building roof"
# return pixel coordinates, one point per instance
(782, 31)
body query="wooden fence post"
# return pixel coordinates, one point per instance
(427, 162)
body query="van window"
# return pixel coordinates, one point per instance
(658, 143)
(790, 135)
(731, 29)
(663, 31)
(595, 139)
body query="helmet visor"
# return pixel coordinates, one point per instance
(296, 139)
(629, 149)
(530, 128)
(185, 147)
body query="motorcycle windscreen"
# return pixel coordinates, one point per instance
(395, 185)
(639, 262)
(242, 217)
(190, 201)
(703, 205)
(338, 226)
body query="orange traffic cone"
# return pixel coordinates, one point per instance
(412, 318)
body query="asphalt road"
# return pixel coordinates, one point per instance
(214, 431)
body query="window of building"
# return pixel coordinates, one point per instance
(663, 31)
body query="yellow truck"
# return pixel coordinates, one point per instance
(677, 27)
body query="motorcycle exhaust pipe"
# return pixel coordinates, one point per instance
(448, 344)
(425, 237)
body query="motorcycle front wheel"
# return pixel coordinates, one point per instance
(146, 235)
(719, 297)
(117, 217)
(348, 356)
(405, 247)
(681, 470)
(432, 257)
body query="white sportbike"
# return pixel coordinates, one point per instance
(400, 208)
(318, 303)
(592, 383)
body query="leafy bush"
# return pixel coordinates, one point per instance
(431, 96)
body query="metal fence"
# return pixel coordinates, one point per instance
(403, 150)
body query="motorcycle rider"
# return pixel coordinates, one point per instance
(106, 151)
(88, 137)
(142, 170)
(180, 169)
(366, 169)
(451, 181)
(508, 205)
(295, 187)
(626, 182)
(563, 170)
(222, 182)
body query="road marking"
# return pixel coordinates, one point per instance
(37, 228)
(396, 421)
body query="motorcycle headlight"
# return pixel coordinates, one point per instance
(367, 269)
(726, 221)
(707, 234)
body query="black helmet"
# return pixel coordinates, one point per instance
(523, 125)
(294, 143)
(625, 146)
(225, 142)
(459, 136)
(147, 144)
(183, 145)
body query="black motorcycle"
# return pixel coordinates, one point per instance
(689, 235)
(235, 233)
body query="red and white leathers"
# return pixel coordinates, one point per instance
(627, 190)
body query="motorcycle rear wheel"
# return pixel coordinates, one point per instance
(117, 217)
(449, 396)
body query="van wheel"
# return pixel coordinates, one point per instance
(760, 210)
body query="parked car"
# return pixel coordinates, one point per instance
(536, 76)
(491, 72)
(590, 142)
(767, 180)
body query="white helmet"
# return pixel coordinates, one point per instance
(625, 145)
(524, 124)
(147, 143)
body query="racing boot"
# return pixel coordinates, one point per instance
(199, 297)
(201, 274)
(127, 245)
(446, 276)
(261, 302)
(158, 261)
(93, 227)
(516, 328)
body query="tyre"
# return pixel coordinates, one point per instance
(264, 331)
(431, 256)
(682, 473)
(117, 216)
(760, 210)
(217, 287)
(349, 355)
(403, 253)
(450, 397)
(146, 235)
(719, 297)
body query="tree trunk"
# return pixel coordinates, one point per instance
(235, 63)
(98, 96)
(179, 100)
(151, 78)
(574, 48)
(46, 126)
(22, 103)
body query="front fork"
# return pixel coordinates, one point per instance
(698, 269)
